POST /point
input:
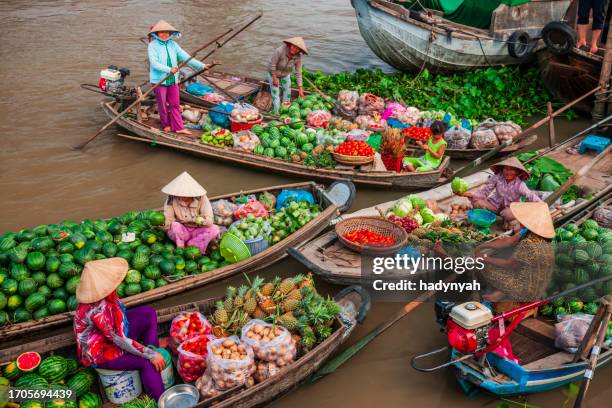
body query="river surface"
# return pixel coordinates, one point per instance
(48, 48)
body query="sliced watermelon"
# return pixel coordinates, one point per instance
(28, 361)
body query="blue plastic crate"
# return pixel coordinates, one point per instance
(594, 142)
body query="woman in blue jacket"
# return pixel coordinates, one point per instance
(164, 57)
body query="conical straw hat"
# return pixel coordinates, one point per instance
(100, 278)
(511, 162)
(184, 186)
(163, 25)
(298, 42)
(535, 217)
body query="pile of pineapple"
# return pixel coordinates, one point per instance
(291, 302)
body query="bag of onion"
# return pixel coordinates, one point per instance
(192, 358)
(186, 326)
(231, 363)
(270, 343)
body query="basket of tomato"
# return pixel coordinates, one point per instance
(417, 132)
(371, 235)
(354, 153)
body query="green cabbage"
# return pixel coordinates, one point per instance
(440, 217)
(459, 185)
(402, 207)
(428, 215)
(417, 217)
(417, 202)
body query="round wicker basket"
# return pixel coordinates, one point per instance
(353, 160)
(376, 224)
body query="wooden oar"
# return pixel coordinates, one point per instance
(581, 173)
(317, 90)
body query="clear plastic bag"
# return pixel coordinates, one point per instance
(484, 137)
(265, 370)
(223, 210)
(244, 113)
(570, 331)
(268, 200)
(252, 207)
(370, 103)
(507, 131)
(231, 363)
(457, 137)
(358, 135)
(192, 356)
(245, 140)
(206, 386)
(270, 343)
(318, 119)
(363, 121)
(214, 97)
(348, 99)
(411, 116)
(187, 325)
(393, 110)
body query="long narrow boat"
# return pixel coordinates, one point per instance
(355, 304)
(329, 259)
(334, 201)
(149, 132)
(411, 40)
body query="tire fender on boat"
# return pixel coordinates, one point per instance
(559, 37)
(519, 45)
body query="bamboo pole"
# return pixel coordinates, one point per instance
(599, 109)
(552, 139)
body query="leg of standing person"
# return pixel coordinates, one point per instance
(142, 325)
(178, 233)
(161, 96)
(174, 105)
(149, 376)
(202, 236)
(286, 84)
(275, 92)
(599, 10)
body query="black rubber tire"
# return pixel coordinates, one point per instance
(519, 45)
(559, 37)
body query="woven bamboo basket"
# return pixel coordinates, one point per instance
(376, 224)
(353, 160)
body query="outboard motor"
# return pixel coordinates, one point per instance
(467, 327)
(112, 80)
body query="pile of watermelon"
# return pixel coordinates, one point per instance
(284, 142)
(40, 268)
(30, 371)
(582, 254)
(301, 107)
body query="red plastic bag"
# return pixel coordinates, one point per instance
(187, 325)
(318, 119)
(252, 207)
(192, 358)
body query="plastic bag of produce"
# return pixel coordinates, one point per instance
(348, 100)
(484, 136)
(344, 113)
(271, 343)
(330, 138)
(186, 326)
(206, 386)
(254, 207)
(245, 140)
(213, 97)
(363, 121)
(393, 110)
(548, 183)
(287, 196)
(457, 137)
(244, 113)
(507, 131)
(342, 124)
(223, 210)
(370, 103)
(358, 135)
(192, 355)
(231, 362)
(570, 331)
(219, 118)
(410, 117)
(198, 89)
(318, 119)
(191, 115)
(268, 200)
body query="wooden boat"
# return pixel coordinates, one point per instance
(334, 201)
(473, 154)
(355, 304)
(411, 40)
(149, 132)
(329, 259)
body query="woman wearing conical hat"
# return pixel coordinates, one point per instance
(525, 275)
(189, 215)
(505, 186)
(285, 58)
(110, 337)
(164, 57)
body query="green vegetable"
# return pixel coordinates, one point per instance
(459, 186)
(324, 160)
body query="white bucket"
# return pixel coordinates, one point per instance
(120, 386)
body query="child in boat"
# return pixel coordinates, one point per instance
(434, 150)
(504, 187)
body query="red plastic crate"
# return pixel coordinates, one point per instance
(238, 126)
(393, 163)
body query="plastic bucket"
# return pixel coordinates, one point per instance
(120, 386)
(167, 374)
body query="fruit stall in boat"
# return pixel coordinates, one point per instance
(413, 40)
(330, 259)
(41, 266)
(260, 374)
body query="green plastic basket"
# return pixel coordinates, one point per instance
(233, 249)
(482, 219)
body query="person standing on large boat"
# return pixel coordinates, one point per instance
(584, 11)
(189, 215)
(505, 186)
(284, 59)
(164, 57)
(110, 337)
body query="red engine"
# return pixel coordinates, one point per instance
(467, 327)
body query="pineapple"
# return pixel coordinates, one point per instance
(286, 286)
(239, 299)
(307, 282)
(266, 304)
(290, 305)
(220, 314)
(229, 299)
(259, 314)
(295, 294)
(250, 304)
(308, 340)
(268, 288)
(255, 286)
(288, 321)
(323, 332)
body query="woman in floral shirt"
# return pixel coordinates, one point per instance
(102, 326)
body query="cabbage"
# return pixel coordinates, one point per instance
(417, 201)
(417, 217)
(459, 185)
(428, 215)
(402, 209)
(440, 217)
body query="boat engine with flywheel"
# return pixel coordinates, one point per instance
(467, 325)
(112, 80)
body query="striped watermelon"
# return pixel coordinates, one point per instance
(80, 383)
(61, 404)
(11, 371)
(32, 404)
(72, 365)
(53, 369)
(35, 301)
(31, 380)
(581, 256)
(580, 276)
(90, 400)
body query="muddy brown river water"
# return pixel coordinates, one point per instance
(48, 48)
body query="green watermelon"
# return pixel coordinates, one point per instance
(65, 258)
(139, 261)
(80, 383)
(546, 310)
(152, 272)
(590, 308)
(581, 256)
(72, 283)
(589, 234)
(71, 367)
(41, 313)
(167, 267)
(54, 281)
(115, 227)
(191, 266)
(78, 240)
(11, 371)
(90, 400)
(590, 224)
(14, 302)
(53, 368)
(580, 276)
(121, 290)
(56, 306)
(148, 237)
(575, 306)
(72, 303)
(31, 380)
(61, 294)
(565, 275)
(25, 235)
(32, 404)
(103, 236)
(125, 254)
(3, 301)
(9, 287)
(68, 269)
(160, 282)
(19, 272)
(157, 248)
(65, 247)
(192, 253)
(133, 276)
(42, 244)
(84, 255)
(109, 249)
(179, 263)
(7, 243)
(53, 263)
(35, 261)
(132, 289)
(18, 254)
(147, 284)
(4, 318)
(93, 245)
(45, 291)
(21, 315)
(156, 218)
(27, 286)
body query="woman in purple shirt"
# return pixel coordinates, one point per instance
(505, 186)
